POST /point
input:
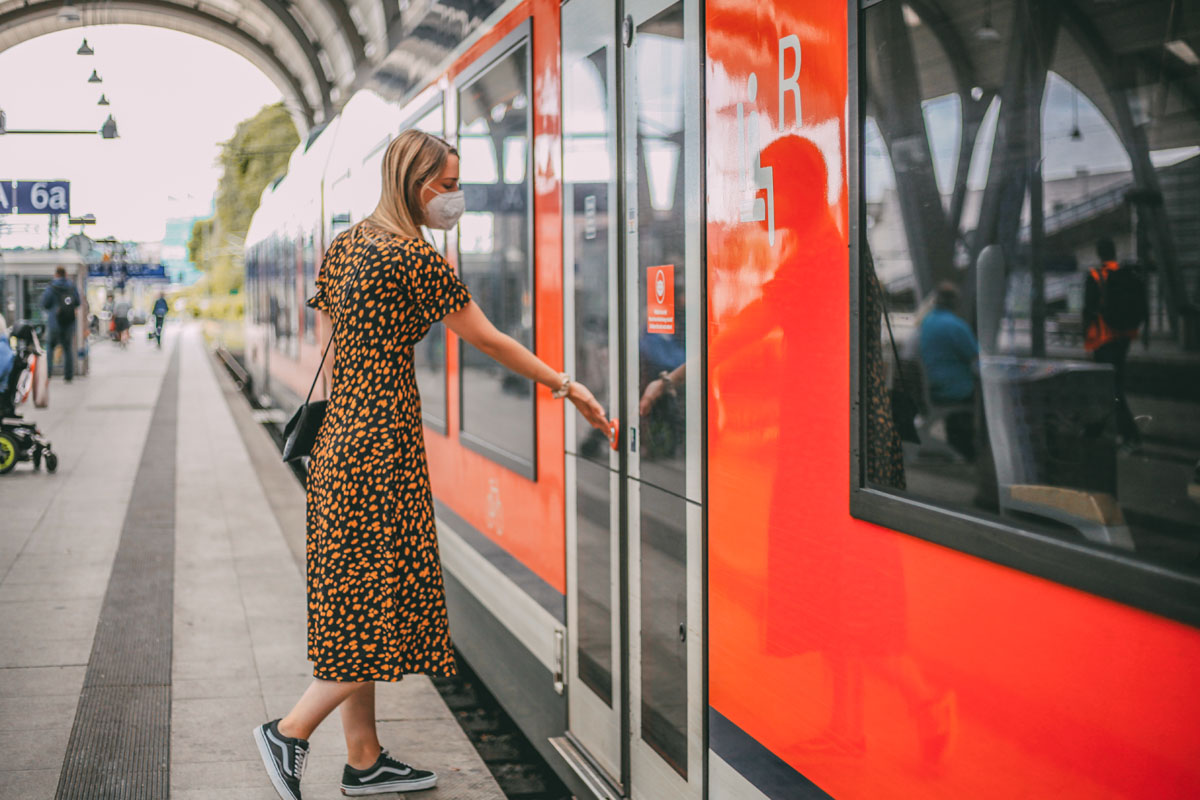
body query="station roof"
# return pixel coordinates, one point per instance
(1104, 49)
(318, 52)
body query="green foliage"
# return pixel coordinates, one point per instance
(227, 308)
(257, 154)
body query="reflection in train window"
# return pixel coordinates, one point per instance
(515, 148)
(587, 141)
(309, 263)
(429, 357)
(477, 233)
(477, 149)
(282, 310)
(661, 128)
(1030, 181)
(495, 257)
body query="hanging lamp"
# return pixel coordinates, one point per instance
(84, 50)
(103, 101)
(95, 78)
(69, 14)
(985, 32)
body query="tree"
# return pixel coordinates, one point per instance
(257, 154)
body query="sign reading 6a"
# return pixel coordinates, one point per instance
(43, 197)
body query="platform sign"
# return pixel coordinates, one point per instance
(6, 197)
(122, 271)
(43, 197)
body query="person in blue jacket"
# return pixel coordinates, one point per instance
(950, 355)
(61, 302)
(160, 315)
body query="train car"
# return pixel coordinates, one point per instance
(897, 507)
(24, 276)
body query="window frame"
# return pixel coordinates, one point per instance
(521, 35)
(1141, 584)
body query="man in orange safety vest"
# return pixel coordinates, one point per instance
(1114, 308)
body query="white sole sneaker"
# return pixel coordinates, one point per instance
(277, 781)
(394, 786)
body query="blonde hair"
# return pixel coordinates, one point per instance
(412, 159)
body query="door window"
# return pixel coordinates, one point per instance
(495, 257)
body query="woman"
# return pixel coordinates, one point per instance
(376, 607)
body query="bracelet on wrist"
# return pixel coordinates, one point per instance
(561, 391)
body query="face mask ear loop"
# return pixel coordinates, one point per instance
(425, 204)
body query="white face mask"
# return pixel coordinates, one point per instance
(443, 211)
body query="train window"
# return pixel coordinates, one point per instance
(276, 313)
(262, 285)
(494, 253)
(250, 283)
(1029, 277)
(429, 358)
(283, 296)
(309, 264)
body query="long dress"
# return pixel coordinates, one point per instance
(376, 602)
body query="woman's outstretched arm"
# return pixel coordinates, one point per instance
(471, 324)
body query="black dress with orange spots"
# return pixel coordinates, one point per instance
(376, 604)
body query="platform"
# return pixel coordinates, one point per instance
(152, 606)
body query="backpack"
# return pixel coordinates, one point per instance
(1122, 299)
(64, 311)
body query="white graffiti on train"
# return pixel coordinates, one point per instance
(755, 177)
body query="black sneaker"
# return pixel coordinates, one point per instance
(283, 757)
(386, 775)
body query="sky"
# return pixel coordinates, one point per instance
(175, 97)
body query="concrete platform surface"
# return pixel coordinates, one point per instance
(236, 587)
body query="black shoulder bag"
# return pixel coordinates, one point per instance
(301, 431)
(903, 401)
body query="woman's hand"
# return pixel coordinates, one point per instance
(654, 390)
(592, 411)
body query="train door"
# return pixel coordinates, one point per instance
(633, 322)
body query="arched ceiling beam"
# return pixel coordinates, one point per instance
(973, 108)
(309, 49)
(942, 28)
(223, 33)
(349, 31)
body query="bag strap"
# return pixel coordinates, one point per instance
(333, 331)
(888, 322)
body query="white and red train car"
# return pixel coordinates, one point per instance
(703, 210)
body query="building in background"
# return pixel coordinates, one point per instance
(184, 213)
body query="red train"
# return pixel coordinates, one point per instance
(890, 515)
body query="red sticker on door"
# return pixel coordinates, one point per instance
(660, 299)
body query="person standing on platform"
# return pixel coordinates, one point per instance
(120, 311)
(61, 302)
(160, 316)
(376, 602)
(950, 354)
(1114, 308)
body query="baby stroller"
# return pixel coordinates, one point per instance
(20, 440)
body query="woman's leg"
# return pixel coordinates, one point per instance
(319, 699)
(358, 723)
